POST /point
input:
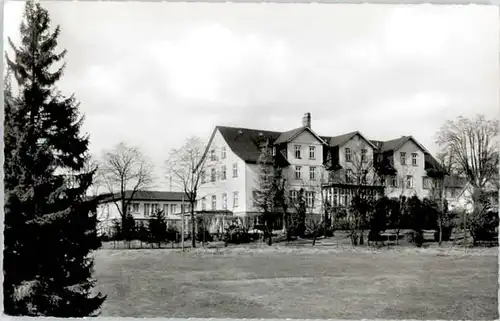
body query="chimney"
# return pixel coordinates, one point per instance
(306, 120)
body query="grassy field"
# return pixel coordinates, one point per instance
(281, 282)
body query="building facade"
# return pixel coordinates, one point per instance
(326, 168)
(142, 205)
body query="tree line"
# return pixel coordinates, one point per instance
(154, 231)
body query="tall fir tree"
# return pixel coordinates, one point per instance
(50, 224)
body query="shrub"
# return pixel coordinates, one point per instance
(447, 231)
(237, 234)
(483, 225)
(416, 237)
(203, 235)
(172, 234)
(374, 236)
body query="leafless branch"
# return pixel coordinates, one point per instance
(125, 169)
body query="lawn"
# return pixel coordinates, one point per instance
(281, 282)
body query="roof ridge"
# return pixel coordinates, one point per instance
(246, 128)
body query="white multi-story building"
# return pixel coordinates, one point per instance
(324, 167)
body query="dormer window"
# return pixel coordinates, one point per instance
(223, 152)
(297, 152)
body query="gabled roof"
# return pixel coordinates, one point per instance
(142, 196)
(291, 134)
(244, 142)
(342, 139)
(395, 144)
(288, 135)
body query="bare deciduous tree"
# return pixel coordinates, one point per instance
(185, 167)
(473, 153)
(361, 174)
(270, 195)
(473, 148)
(437, 186)
(125, 171)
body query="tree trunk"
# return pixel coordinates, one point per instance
(193, 228)
(361, 238)
(465, 229)
(441, 212)
(440, 231)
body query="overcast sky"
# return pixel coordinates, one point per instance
(152, 74)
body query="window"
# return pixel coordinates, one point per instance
(224, 201)
(310, 199)
(214, 202)
(402, 158)
(235, 170)
(147, 209)
(312, 173)
(425, 182)
(154, 208)
(203, 204)
(348, 156)
(312, 152)
(202, 176)
(293, 196)
(235, 199)
(297, 172)
(363, 155)
(173, 208)
(297, 152)
(212, 174)
(414, 159)
(452, 190)
(382, 181)
(165, 209)
(135, 208)
(409, 181)
(223, 172)
(274, 151)
(223, 152)
(212, 155)
(335, 196)
(394, 181)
